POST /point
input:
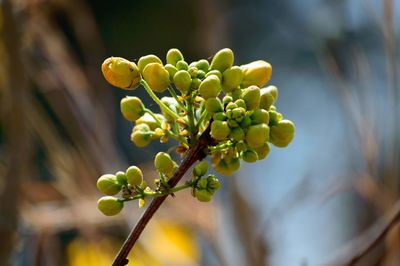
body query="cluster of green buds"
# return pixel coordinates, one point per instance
(227, 99)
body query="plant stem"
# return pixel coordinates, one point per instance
(173, 93)
(192, 128)
(194, 154)
(156, 194)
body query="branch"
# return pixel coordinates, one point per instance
(194, 154)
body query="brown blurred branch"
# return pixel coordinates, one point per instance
(194, 154)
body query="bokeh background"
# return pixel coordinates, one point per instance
(335, 63)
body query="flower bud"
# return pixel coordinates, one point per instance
(108, 184)
(210, 87)
(202, 65)
(149, 120)
(148, 59)
(262, 151)
(193, 71)
(215, 73)
(250, 156)
(257, 135)
(182, 65)
(121, 178)
(182, 81)
(121, 73)
(156, 76)
(200, 169)
(220, 130)
(171, 71)
(214, 105)
(240, 103)
(141, 135)
(219, 116)
(251, 97)
(268, 97)
(222, 60)
(227, 99)
(201, 74)
(233, 165)
(164, 164)
(134, 176)
(109, 205)
(213, 183)
(141, 203)
(282, 133)
(196, 83)
(245, 122)
(232, 78)
(203, 195)
(173, 56)
(237, 134)
(256, 73)
(260, 116)
(274, 117)
(132, 108)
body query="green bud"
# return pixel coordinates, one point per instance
(200, 169)
(236, 94)
(141, 135)
(262, 151)
(203, 195)
(251, 97)
(231, 78)
(274, 117)
(149, 120)
(156, 76)
(250, 156)
(232, 123)
(222, 168)
(222, 60)
(171, 103)
(134, 175)
(109, 205)
(260, 116)
(241, 146)
(220, 130)
(227, 99)
(215, 73)
(219, 116)
(171, 71)
(257, 135)
(256, 73)
(148, 59)
(245, 122)
(237, 134)
(202, 184)
(240, 103)
(201, 74)
(182, 80)
(164, 164)
(121, 178)
(213, 183)
(132, 108)
(196, 83)
(233, 165)
(121, 73)
(203, 65)
(238, 114)
(231, 106)
(193, 71)
(210, 87)
(282, 133)
(108, 184)
(268, 97)
(182, 65)
(214, 105)
(173, 56)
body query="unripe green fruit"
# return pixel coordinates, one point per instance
(121, 73)
(200, 169)
(210, 87)
(164, 164)
(219, 116)
(171, 71)
(257, 135)
(121, 178)
(260, 116)
(108, 184)
(232, 78)
(156, 76)
(173, 56)
(203, 65)
(182, 80)
(214, 105)
(203, 195)
(256, 73)
(250, 156)
(268, 97)
(196, 83)
(109, 205)
(215, 73)
(251, 97)
(134, 175)
(282, 133)
(182, 65)
(222, 60)
(237, 134)
(148, 59)
(220, 130)
(262, 151)
(132, 108)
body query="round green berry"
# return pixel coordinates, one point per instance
(214, 73)
(203, 65)
(182, 65)
(250, 156)
(214, 105)
(260, 116)
(203, 195)
(121, 178)
(200, 169)
(262, 151)
(268, 97)
(171, 71)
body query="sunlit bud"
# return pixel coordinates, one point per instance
(227, 99)
(236, 94)
(171, 71)
(121, 178)
(268, 97)
(241, 146)
(231, 106)
(200, 169)
(156, 76)
(182, 80)
(121, 73)
(214, 105)
(257, 135)
(148, 59)
(260, 116)
(141, 135)
(213, 183)
(134, 175)
(196, 83)
(250, 156)
(237, 134)
(141, 203)
(222, 167)
(203, 195)
(282, 133)
(182, 65)
(232, 78)
(220, 130)
(164, 164)
(222, 60)
(238, 114)
(158, 133)
(274, 117)
(149, 120)
(201, 74)
(251, 97)
(210, 87)
(132, 108)
(219, 116)
(262, 151)
(109, 205)
(203, 65)
(108, 184)
(173, 56)
(193, 71)
(215, 73)
(256, 73)
(240, 103)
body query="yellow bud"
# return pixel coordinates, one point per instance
(148, 59)
(222, 60)
(121, 73)
(132, 108)
(156, 76)
(262, 151)
(232, 78)
(174, 56)
(256, 73)
(164, 164)
(257, 135)
(268, 97)
(282, 133)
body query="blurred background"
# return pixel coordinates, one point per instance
(335, 63)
